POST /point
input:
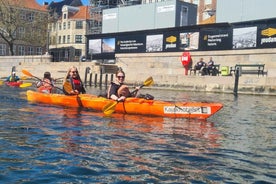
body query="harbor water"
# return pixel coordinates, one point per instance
(51, 144)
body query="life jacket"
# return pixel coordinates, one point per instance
(122, 91)
(46, 86)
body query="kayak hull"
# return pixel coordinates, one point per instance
(198, 110)
(14, 84)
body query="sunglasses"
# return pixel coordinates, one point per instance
(121, 77)
(74, 71)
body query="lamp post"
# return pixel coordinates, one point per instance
(48, 42)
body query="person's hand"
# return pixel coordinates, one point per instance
(121, 99)
(74, 92)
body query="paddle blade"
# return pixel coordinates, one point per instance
(25, 72)
(25, 85)
(109, 108)
(23, 77)
(67, 87)
(1, 82)
(149, 81)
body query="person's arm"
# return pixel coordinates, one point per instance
(113, 93)
(38, 84)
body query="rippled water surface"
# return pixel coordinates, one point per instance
(50, 144)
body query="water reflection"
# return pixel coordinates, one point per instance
(44, 144)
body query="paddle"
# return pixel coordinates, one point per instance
(110, 107)
(67, 87)
(24, 85)
(25, 72)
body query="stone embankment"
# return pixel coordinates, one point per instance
(167, 71)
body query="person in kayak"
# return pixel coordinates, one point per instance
(13, 77)
(72, 84)
(118, 91)
(46, 84)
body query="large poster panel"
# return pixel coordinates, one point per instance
(108, 45)
(188, 40)
(95, 46)
(170, 42)
(216, 39)
(245, 37)
(131, 44)
(154, 43)
(267, 36)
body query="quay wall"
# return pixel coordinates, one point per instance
(166, 70)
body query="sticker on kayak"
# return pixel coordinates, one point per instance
(186, 110)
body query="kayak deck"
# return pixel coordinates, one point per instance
(198, 110)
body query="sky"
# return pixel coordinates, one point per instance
(84, 2)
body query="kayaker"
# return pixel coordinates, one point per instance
(47, 83)
(13, 77)
(74, 81)
(118, 91)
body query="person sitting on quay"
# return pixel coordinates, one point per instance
(47, 84)
(212, 70)
(201, 66)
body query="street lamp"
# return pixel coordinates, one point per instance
(48, 42)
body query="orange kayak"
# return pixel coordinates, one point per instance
(198, 110)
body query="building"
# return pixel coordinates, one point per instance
(244, 10)
(67, 34)
(206, 11)
(163, 14)
(25, 34)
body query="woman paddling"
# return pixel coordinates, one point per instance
(72, 84)
(118, 90)
(47, 84)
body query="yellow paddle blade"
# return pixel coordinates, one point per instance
(67, 87)
(25, 72)
(1, 82)
(109, 108)
(148, 81)
(24, 85)
(23, 77)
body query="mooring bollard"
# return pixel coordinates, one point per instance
(236, 85)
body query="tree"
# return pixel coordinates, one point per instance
(21, 25)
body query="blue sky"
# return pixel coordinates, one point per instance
(84, 2)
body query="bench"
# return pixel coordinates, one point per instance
(254, 69)
(214, 71)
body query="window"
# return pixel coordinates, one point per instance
(30, 51)
(64, 25)
(63, 39)
(68, 38)
(39, 51)
(59, 26)
(2, 49)
(64, 16)
(22, 16)
(68, 25)
(21, 50)
(78, 52)
(59, 39)
(78, 39)
(78, 24)
(31, 17)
